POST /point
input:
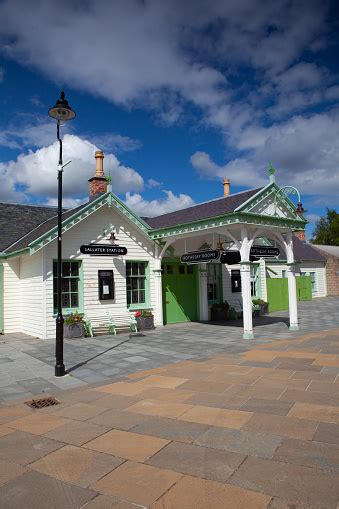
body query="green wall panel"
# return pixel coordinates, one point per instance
(277, 292)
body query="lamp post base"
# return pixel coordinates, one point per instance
(60, 370)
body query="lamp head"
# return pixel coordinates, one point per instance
(61, 110)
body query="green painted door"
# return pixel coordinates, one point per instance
(1, 299)
(179, 288)
(304, 288)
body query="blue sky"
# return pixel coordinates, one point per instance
(179, 95)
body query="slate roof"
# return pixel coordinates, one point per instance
(16, 220)
(306, 252)
(327, 250)
(213, 208)
(23, 241)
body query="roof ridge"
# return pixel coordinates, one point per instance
(29, 205)
(208, 201)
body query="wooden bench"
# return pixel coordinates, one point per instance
(110, 323)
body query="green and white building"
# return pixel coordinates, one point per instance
(150, 275)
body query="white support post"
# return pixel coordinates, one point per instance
(292, 287)
(245, 271)
(158, 292)
(203, 295)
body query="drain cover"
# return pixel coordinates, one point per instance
(42, 403)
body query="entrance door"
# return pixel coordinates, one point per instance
(179, 290)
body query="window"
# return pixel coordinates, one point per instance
(212, 282)
(136, 280)
(70, 285)
(313, 282)
(283, 274)
(235, 281)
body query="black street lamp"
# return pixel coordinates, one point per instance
(62, 112)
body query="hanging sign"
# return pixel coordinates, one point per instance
(264, 251)
(103, 250)
(230, 257)
(200, 256)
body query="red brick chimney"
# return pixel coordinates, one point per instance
(98, 183)
(301, 235)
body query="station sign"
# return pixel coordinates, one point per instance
(200, 256)
(264, 251)
(103, 250)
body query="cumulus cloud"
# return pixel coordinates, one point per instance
(35, 173)
(163, 54)
(153, 208)
(305, 150)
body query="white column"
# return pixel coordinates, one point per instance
(292, 287)
(203, 295)
(245, 271)
(159, 320)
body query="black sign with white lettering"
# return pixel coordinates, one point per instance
(200, 256)
(264, 251)
(230, 257)
(103, 250)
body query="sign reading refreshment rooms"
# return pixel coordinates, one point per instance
(200, 256)
(103, 250)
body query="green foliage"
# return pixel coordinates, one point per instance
(327, 229)
(74, 318)
(258, 302)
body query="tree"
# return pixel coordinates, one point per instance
(327, 229)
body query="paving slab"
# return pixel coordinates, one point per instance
(263, 445)
(310, 454)
(194, 493)
(24, 448)
(197, 461)
(33, 490)
(141, 484)
(76, 465)
(292, 483)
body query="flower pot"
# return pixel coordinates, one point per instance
(145, 322)
(76, 330)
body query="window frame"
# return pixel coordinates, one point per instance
(147, 304)
(80, 292)
(218, 283)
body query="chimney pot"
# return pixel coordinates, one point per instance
(227, 187)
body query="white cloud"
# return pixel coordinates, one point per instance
(312, 218)
(35, 173)
(157, 207)
(116, 142)
(153, 183)
(305, 151)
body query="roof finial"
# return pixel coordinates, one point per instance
(271, 172)
(109, 181)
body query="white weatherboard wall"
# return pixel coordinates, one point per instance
(91, 230)
(307, 267)
(23, 300)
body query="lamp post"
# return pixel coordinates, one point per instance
(60, 112)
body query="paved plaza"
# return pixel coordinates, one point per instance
(27, 364)
(239, 425)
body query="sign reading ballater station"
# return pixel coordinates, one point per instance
(200, 256)
(103, 250)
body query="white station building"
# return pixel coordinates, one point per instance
(117, 262)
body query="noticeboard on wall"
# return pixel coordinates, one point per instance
(106, 284)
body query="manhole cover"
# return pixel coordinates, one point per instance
(42, 403)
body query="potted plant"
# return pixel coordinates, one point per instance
(259, 307)
(145, 319)
(74, 326)
(219, 311)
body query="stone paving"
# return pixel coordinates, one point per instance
(257, 429)
(27, 364)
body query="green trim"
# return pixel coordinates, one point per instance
(109, 199)
(1, 298)
(20, 252)
(248, 335)
(147, 303)
(226, 220)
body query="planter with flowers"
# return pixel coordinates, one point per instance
(145, 319)
(74, 326)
